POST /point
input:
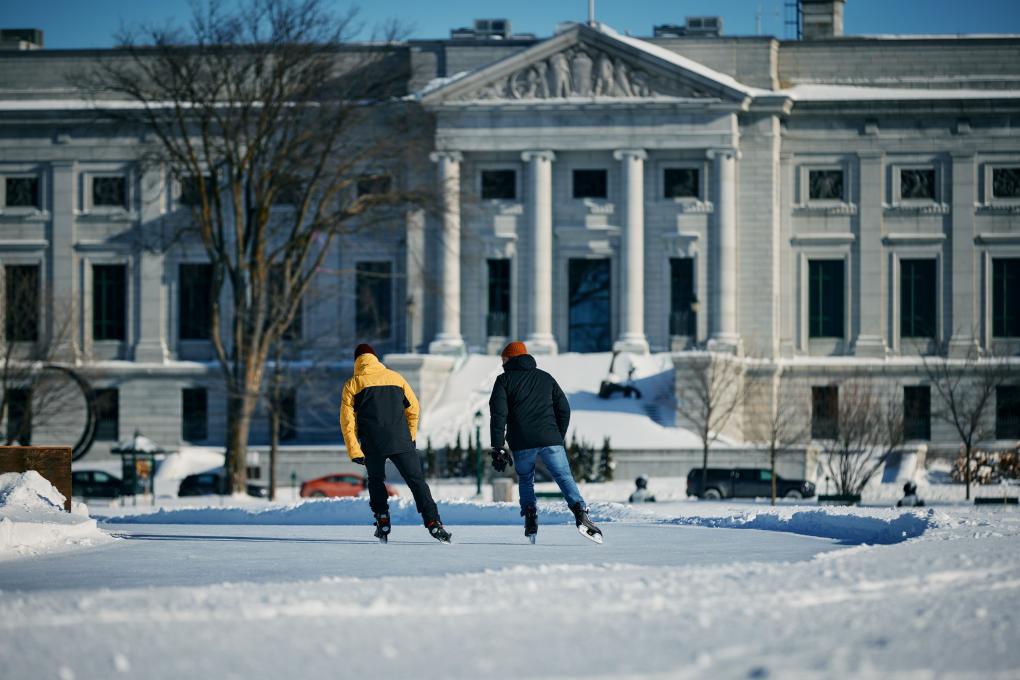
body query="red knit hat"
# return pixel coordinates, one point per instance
(364, 348)
(514, 349)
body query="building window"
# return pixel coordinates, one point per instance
(254, 472)
(194, 414)
(109, 192)
(109, 301)
(19, 415)
(825, 185)
(190, 193)
(917, 184)
(499, 185)
(1006, 182)
(681, 183)
(288, 415)
(374, 185)
(107, 415)
(21, 297)
(917, 412)
(497, 323)
(918, 298)
(825, 412)
(683, 319)
(825, 304)
(22, 192)
(591, 184)
(195, 304)
(374, 290)
(1006, 297)
(1007, 412)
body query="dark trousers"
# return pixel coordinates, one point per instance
(409, 467)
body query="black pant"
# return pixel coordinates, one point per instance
(409, 467)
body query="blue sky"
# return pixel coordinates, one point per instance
(92, 23)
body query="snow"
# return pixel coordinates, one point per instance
(33, 520)
(678, 590)
(818, 92)
(624, 421)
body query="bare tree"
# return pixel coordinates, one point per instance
(965, 388)
(782, 426)
(711, 389)
(868, 428)
(257, 107)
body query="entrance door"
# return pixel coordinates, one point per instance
(590, 306)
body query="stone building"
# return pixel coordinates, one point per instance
(838, 204)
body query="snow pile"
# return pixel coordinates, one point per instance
(355, 511)
(856, 526)
(33, 521)
(628, 423)
(188, 460)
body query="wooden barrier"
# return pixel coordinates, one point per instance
(52, 462)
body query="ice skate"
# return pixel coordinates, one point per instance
(584, 524)
(530, 514)
(438, 532)
(382, 526)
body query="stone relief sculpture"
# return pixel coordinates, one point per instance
(583, 72)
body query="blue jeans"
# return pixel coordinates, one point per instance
(555, 459)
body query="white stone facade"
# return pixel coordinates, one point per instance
(750, 119)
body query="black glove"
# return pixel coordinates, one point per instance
(500, 458)
(360, 460)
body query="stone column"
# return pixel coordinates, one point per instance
(151, 298)
(724, 327)
(870, 298)
(449, 340)
(965, 317)
(632, 336)
(541, 339)
(414, 222)
(62, 289)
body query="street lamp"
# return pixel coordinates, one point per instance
(478, 451)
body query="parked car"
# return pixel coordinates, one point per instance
(745, 483)
(335, 486)
(215, 482)
(95, 484)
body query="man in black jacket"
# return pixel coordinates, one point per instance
(528, 407)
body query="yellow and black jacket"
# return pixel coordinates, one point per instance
(378, 410)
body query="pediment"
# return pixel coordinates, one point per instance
(586, 63)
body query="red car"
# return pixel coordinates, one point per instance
(340, 484)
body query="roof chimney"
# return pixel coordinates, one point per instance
(822, 18)
(21, 39)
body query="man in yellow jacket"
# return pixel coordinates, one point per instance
(379, 422)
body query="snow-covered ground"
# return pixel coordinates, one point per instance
(680, 589)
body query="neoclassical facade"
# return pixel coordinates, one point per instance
(838, 205)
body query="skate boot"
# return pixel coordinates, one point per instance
(584, 524)
(438, 532)
(530, 515)
(382, 526)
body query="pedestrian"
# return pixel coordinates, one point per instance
(529, 409)
(379, 422)
(641, 493)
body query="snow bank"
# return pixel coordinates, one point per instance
(355, 511)
(33, 521)
(627, 422)
(851, 525)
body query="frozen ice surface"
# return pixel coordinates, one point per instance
(679, 590)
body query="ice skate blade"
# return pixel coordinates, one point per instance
(532, 537)
(591, 536)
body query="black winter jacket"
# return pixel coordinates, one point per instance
(527, 405)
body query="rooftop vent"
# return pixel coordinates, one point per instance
(484, 29)
(695, 26)
(821, 18)
(21, 39)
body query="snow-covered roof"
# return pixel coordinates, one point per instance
(821, 92)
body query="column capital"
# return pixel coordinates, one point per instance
(621, 154)
(538, 155)
(439, 156)
(724, 152)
